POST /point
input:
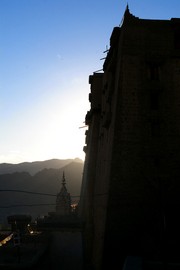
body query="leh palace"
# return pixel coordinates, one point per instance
(130, 198)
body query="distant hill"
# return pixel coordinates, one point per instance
(47, 181)
(36, 166)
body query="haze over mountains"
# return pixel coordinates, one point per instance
(36, 166)
(41, 177)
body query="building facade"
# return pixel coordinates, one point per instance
(130, 190)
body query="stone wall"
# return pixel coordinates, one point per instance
(133, 151)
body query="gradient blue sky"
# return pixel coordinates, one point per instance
(48, 49)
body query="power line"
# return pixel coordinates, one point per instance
(30, 192)
(34, 193)
(48, 194)
(25, 191)
(27, 205)
(39, 193)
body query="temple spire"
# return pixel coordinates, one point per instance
(63, 179)
(63, 199)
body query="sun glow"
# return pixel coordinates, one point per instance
(51, 130)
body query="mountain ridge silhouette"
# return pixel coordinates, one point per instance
(35, 166)
(47, 181)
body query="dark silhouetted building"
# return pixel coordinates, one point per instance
(19, 222)
(130, 197)
(63, 200)
(65, 216)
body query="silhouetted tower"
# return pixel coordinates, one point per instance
(63, 200)
(130, 188)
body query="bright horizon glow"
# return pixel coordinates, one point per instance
(48, 49)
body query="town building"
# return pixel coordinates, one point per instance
(19, 223)
(65, 216)
(130, 200)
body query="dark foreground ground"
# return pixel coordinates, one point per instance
(50, 250)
